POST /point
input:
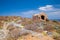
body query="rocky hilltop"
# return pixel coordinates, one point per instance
(39, 27)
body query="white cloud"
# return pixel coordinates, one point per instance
(46, 8)
(29, 13)
(50, 10)
(54, 14)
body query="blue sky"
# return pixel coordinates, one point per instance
(26, 8)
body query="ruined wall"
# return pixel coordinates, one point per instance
(40, 17)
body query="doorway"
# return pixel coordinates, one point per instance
(42, 17)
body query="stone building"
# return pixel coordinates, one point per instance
(40, 17)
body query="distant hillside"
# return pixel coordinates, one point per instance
(55, 19)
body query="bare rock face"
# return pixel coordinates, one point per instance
(3, 34)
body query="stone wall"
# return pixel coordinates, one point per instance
(40, 17)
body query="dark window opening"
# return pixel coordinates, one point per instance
(42, 17)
